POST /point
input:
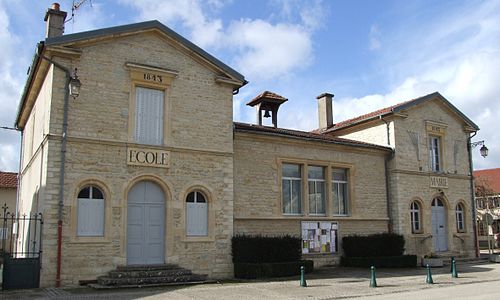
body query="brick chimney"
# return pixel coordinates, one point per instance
(325, 113)
(55, 21)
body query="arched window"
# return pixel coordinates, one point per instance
(416, 217)
(90, 208)
(196, 214)
(459, 215)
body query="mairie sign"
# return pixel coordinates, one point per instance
(439, 182)
(148, 157)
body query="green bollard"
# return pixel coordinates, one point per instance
(429, 276)
(303, 282)
(454, 272)
(451, 265)
(373, 279)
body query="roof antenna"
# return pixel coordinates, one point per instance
(76, 5)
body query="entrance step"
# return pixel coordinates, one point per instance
(150, 275)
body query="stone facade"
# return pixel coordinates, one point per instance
(411, 176)
(238, 168)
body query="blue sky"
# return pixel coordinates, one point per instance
(370, 54)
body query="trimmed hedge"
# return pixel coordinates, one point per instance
(402, 261)
(263, 270)
(264, 249)
(375, 245)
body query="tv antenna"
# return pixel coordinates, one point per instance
(76, 5)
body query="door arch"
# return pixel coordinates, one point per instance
(439, 230)
(145, 224)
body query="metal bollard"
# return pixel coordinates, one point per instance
(429, 276)
(454, 272)
(373, 279)
(451, 264)
(303, 282)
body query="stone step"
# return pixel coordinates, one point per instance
(148, 267)
(148, 273)
(144, 281)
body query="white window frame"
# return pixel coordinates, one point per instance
(153, 137)
(460, 217)
(291, 180)
(435, 157)
(93, 226)
(345, 200)
(197, 215)
(313, 193)
(416, 217)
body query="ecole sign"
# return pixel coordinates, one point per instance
(148, 157)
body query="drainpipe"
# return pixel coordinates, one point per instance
(62, 167)
(472, 194)
(390, 227)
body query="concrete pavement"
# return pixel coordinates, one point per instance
(325, 283)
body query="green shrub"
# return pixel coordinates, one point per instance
(375, 245)
(263, 270)
(402, 261)
(264, 249)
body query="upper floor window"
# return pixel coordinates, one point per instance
(291, 185)
(459, 214)
(196, 214)
(340, 192)
(317, 190)
(435, 154)
(415, 217)
(90, 209)
(149, 116)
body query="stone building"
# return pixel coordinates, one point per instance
(146, 166)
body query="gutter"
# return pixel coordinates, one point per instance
(472, 195)
(39, 56)
(390, 225)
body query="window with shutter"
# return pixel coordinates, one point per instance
(90, 208)
(149, 116)
(196, 214)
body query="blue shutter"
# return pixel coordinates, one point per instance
(149, 116)
(90, 217)
(197, 219)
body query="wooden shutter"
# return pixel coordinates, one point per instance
(149, 116)
(197, 219)
(90, 217)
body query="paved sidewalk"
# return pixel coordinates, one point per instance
(325, 283)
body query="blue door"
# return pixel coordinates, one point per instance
(439, 232)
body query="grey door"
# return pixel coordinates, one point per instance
(145, 224)
(439, 235)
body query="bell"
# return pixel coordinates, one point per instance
(266, 114)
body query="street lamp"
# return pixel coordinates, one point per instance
(484, 150)
(75, 84)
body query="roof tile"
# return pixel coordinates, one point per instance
(8, 180)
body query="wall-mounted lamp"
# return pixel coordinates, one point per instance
(484, 150)
(74, 85)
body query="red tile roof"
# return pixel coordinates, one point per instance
(490, 178)
(396, 108)
(8, 180)
(267, 95)
(243, 127)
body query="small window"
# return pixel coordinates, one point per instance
(415, 216)
(435, 154)
(291, 185)
(149, 116)
(317, 190)
(459, 214)
(90, 220)
(340, 192)
(196, 214)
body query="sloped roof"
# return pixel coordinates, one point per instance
(490, 178)
(244, 127)
(154, 24)
(117, 31)
(398, 108)
(267, 95)
(8, 180)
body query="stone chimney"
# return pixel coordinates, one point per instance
(325, 113)
(55, 21)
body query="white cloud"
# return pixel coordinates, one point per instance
(266, 51)
(374, 38)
